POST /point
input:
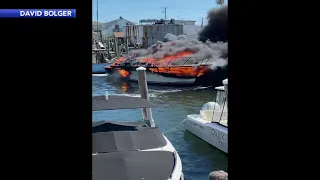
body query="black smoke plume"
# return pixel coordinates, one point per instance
(217, 28)
(210, 46)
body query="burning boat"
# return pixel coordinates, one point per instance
(184, 59)
(173, 62)
(157, 70)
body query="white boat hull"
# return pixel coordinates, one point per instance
(213, 133)
(159, 79)
(177, 173)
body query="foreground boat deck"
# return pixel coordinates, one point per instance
(133, 165)
(122, 151)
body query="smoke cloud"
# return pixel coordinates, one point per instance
(217, 28)
(209, 47)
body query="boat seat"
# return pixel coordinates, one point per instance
(206, 115)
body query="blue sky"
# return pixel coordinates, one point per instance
(134, 10)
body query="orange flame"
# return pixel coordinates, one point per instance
(119, 60)
(164, 66)
(166, 60)
(182, 71)
(124, 73)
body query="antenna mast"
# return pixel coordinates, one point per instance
(220, 2)
(165, 13)
(202, 22)
(97, 19)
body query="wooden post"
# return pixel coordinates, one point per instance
(116, 47)
(143, 88)
(127, 45)
(218, 175)
(108, 48)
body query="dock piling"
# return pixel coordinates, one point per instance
(143, 88)
(116, 47)
(127, 45)
(218, 175)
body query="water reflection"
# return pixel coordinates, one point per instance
(214, 158)
(124, 87)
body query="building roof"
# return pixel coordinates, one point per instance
(110, 23)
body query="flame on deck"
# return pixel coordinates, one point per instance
(163, 65)
(165, 62)
(182, 71)
(123, 73)
(119, 60)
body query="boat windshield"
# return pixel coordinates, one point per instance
(221, 99)
(222, 115)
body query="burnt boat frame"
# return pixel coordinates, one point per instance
(113, 68)
(210, 78)
(129, 67)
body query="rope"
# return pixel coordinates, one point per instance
(175, 126)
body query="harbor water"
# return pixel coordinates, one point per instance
(170, 106)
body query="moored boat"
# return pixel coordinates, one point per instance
(211, 125)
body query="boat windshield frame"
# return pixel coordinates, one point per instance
(221, 99)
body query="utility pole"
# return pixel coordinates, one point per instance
(165, 13)
(202, 22)
(97, 19)
(220, 2)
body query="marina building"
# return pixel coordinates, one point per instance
(149, 31)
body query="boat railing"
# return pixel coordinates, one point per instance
(184, 61)
(204, 61)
